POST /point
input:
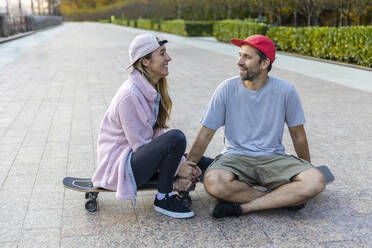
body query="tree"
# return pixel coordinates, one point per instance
(275, 8)
(361, 8)
(318, 7)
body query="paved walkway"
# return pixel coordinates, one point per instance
(54, 89)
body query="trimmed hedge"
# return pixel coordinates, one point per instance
(144, 24)
(132, 23)
(174, 27)
(227, 29)
(199, 28)
(345, 44)
(187, 28)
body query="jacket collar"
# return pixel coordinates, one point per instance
(143, 85)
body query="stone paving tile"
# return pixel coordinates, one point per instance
(45, 200)
(10, 231)
(48, 237)
(50, 218)
(8, 244)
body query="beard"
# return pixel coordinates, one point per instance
(248, 74)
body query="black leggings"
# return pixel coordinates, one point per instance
(163, 153)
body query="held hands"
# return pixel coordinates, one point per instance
(181, 184)
(189, 170)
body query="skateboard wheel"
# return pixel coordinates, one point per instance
(91, 205)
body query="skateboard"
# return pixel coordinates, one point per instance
(91, 193)
(326, 173)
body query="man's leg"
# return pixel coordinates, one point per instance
(224, 185)
(304, 186)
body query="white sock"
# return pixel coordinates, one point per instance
(161, 196)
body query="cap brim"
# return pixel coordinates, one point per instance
(162, 42)
(239, 42)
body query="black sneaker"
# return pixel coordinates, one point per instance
(185, 198)
(173, 207)
(224, 209)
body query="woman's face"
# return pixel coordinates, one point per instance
(158, 63)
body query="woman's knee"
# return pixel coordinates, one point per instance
(177, 139)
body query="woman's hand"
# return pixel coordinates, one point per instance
(189, 170)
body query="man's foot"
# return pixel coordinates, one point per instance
(296, 208)
(224, 209)
(173, 207)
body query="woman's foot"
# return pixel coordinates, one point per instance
(172, 206)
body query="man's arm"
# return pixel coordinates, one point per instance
(299, 141)
(200, 144)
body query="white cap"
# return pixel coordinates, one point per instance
(142, 45)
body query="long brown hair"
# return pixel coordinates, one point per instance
(165, 105)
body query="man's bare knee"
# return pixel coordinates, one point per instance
(312, 182)
(216, 180)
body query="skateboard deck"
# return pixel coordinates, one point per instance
(86, 185)
(91, 193)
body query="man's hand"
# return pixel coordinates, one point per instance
(189, 170)
(181, 184)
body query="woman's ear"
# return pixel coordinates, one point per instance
(145, 62)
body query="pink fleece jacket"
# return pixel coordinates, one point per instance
(127, 125)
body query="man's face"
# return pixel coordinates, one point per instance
(249, 63)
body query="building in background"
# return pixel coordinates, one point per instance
(26, 15)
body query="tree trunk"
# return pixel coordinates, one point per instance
(229, 11)
(295, 17)
(308, 20)
(360, 20)
(179, 11)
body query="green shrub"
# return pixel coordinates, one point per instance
(122, 22)
(144, 24)
(133, 23)
(226, 29)
(174, 27)
(250, 28)
(346, 44)
(156, 25)
(199, 28)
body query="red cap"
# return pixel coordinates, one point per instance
(259, 42)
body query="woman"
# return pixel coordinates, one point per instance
(132, 143)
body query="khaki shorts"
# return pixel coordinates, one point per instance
(268, 171)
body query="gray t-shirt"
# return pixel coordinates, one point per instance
(254, 120)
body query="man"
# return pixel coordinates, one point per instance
(253, 109)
